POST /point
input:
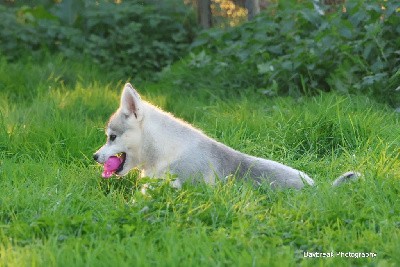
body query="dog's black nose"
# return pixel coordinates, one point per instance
(95, 157)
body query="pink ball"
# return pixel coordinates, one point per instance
(111, 165)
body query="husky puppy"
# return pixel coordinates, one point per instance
(145, 137)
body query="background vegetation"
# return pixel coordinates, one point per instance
(291, 86)
(293, 49)
(288, 49)
(108, 33)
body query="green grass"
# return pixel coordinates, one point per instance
(56, 210)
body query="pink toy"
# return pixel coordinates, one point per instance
(110, 166)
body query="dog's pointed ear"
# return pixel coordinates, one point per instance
(131, 103)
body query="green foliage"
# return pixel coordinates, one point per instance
(131, 38)
(292, 49)
(56, 210)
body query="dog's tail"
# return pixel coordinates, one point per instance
(346, 177)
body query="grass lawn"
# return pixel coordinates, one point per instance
(56, 210)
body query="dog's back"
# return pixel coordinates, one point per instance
(192, 154)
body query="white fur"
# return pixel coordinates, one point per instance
(158, 143)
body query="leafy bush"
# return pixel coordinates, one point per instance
(293, 49)
(131, 37)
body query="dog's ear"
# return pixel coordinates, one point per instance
(131, 103)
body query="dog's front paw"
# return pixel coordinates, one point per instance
(177, 184)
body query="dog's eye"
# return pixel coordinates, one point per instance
(112, 137)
